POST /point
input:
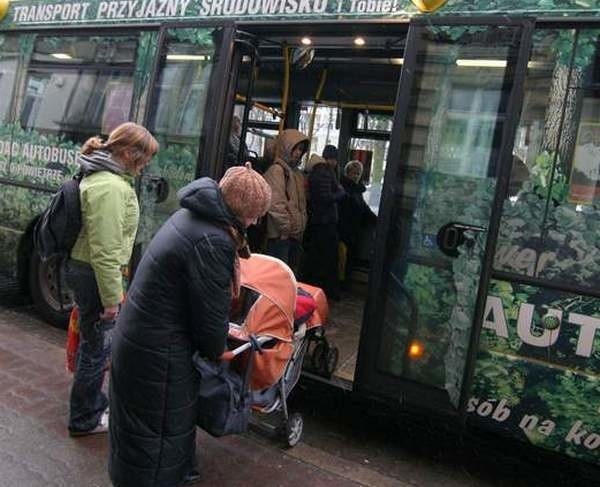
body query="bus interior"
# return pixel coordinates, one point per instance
(340, 88)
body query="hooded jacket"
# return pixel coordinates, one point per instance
(354, 212)
(324, 192)
(286, 217)
(178, 303)
(109, 216)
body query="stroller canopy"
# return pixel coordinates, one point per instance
(272, 314)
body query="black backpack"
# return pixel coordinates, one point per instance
(57, 230)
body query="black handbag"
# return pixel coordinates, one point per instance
(223, 397)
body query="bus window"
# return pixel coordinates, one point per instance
(79, 87)
(553, 205)
(9, 59)
(569, 250)
(325, 126)
(176, 114)
(75, 88)
(517, 250)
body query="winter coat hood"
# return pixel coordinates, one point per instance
(99, 160)
(286, 141)
(203, 197)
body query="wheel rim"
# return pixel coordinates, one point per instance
(295, 430)
(48, 281)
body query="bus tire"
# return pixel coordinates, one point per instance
(43, 286)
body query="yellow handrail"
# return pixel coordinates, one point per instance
(313, 113)
(286, 86)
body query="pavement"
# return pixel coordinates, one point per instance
(35, 449)
(340, 447)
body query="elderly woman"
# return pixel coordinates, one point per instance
(355, 214)
(178, 304)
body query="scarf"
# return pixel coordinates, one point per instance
(99, 160)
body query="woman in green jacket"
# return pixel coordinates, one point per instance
(110, 213)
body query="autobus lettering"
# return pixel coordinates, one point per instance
(530, 422)
(587, 333)
(495, 320)
(521, 259)
(499, 412)
(531, 335)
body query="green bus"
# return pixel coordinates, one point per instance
(478, 290)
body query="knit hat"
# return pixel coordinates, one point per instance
(245, 191)
(330, 152)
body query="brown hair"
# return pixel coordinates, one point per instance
(128, 136)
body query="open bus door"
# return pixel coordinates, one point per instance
(458, 103)
(188, 110)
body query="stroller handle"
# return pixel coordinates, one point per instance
(229, 355)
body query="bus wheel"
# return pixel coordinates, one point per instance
(54, 306)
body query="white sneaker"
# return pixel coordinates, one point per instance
(102, 427)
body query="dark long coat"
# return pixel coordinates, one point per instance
(178, 303)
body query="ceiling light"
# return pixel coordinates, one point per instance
(397, 60)
(481, 63)
(494, 63)
(61, 55)
(306, 41)
(187, 57)
(359, 41)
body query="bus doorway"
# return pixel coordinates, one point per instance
(337, 86)
(435, 164)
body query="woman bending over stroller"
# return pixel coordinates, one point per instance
(178, 304)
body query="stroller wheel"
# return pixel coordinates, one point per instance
(333, 355)
(293, 429)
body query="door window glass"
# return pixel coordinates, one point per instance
(442, 204)
(177, 111)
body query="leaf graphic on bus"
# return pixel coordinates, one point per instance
(428, 5)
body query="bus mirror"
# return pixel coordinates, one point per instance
(302, 57)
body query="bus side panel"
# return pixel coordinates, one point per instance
(538, 371)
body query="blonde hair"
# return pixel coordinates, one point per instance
(128, 136)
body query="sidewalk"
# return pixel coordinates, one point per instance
(35, 449)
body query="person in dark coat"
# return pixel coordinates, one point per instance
(178, 303)
(324, 193)
(355, 214)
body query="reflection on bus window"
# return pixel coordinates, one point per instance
(9, 59)
(177, 110)
(180, 92)
(75, 103)
(468, 130)
(66, 97)
(553, 205)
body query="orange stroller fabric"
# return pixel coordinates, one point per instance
(271, 315)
